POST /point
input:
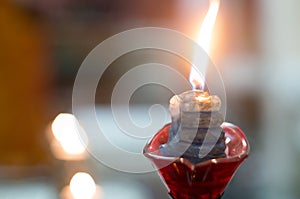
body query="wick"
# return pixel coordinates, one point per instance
(197, 86)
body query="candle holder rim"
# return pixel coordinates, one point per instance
(226, 125)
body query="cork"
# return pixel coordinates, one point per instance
(196, 120)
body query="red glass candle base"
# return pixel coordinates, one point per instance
(205, 180)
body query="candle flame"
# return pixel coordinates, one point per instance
(82, 186)
(203, 39)
(65, 129)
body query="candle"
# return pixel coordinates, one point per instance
(195, 132)
(82, 186)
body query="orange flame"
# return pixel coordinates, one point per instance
(82, 186)
(203, 39)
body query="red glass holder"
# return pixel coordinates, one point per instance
(204, 180)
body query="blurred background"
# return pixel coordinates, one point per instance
(255, 45)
